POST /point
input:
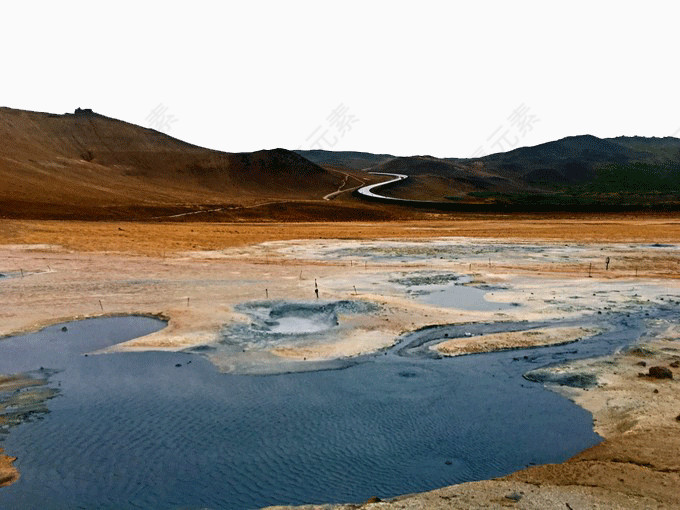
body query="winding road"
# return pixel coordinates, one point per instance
(368, 190)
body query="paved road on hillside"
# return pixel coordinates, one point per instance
(368, 190)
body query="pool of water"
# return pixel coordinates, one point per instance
(167, 430)
(63, 344)
(450, 290)
(462, 297)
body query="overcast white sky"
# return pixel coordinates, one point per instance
(426, 77)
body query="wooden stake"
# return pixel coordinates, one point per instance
(100, 305)
(590, 270)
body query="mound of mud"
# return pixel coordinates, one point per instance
(299, 318)
(574, 379)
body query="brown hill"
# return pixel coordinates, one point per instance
(85, 165)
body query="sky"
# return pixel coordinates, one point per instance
(448, 79)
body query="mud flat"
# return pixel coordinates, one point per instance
(22, 396)
(245, 308)
(294, 336)
(512, 340)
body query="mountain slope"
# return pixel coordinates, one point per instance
(654, 149)
(433, 178)
(347, 160)
(568, 160)
(573, 171)
(85, 164)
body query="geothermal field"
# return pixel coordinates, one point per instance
(339, 255)
(233, 365)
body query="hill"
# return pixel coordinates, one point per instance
(654, 149)
(577, 172)
(347, 160)
(86, 165)
(571, 159)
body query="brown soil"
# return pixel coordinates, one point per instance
(158, 238)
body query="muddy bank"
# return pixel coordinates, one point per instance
(23, 398)
(512, 340)
(8, 473)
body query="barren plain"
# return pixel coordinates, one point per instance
(199, 276)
